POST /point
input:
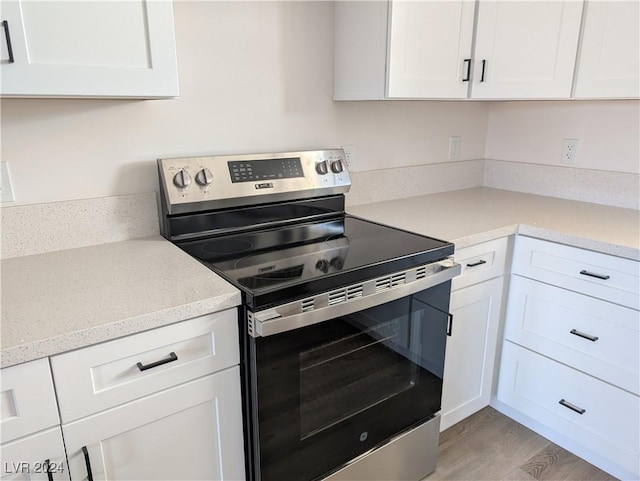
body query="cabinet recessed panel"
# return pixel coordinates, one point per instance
(470, 355)
(92, 48)
(526, 49)
(87, 33)
(609, 63)
(147, 451)
(428, 44)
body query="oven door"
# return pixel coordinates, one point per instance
(326, 393)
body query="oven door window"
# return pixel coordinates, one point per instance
(330, 392)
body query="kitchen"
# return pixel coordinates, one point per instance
(258, 77)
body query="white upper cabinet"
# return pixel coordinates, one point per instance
(525, 49)
(609, 61)
(422, 49)
(429, 49)
(87, 48)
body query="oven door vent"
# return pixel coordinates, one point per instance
(354, 291)
(389, 282)
(421, 272)
(345, 294)
(307, 305)
(337, 296)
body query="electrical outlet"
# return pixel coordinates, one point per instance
(454, 148)
(6, 189)
(569, 152)
(350, 156)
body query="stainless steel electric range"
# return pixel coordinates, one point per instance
(343, 323)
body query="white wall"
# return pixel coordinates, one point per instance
(257, 76)
(532, 132)
(254, 76)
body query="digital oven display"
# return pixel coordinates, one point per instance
(265, 169)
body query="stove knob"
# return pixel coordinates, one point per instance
(337, 166)
(322, 168)
(337, 263)
(182, 179)
(204, 177)
(322, 265)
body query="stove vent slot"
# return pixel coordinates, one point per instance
(250, 324)
(391, 281)
(338, 296)
(307, 304)
(421, 272)
(354, 292)
(383, 284)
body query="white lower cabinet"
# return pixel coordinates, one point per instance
(31, 439)
(476, 301)
(469, 362)
(600, 416)
(39, 457)
(570, 357)
(192, 431)
(163, 404)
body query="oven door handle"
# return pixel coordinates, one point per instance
(350, 299)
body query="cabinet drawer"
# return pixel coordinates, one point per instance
(27, 399)
(30, 454)
(102, 376)
(480, 262)
(599, 275)
(591, 335)
(536, 385)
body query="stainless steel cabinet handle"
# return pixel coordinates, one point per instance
(484, 64)
(468, 76)
(87, 463)
(479, 263)
(450, 326)
(584, 335)
(593, 274)
(172, 357)
(573, 407)
(7, 36)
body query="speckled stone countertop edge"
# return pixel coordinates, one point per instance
(107, 332)
(581, 242)
(551, 236)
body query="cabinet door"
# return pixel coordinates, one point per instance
(88, 49)
(34, 458)
(428, 44)
(470, 356)
(525, 49)
(192, 431)
(609, 63)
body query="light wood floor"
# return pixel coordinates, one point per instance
(490, 446)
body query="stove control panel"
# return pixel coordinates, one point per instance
(193, 184)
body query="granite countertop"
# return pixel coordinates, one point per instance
(470, 216)
(64, 300)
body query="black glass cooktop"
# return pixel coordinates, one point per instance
(285, 263)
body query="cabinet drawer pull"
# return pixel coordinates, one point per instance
(468, 75)
(87, 463)
(593, 274)
(479, 263)
(484, 63)
(573, 407)
(584, 335)
(172, 357)
(47, 465)
(7, 36)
